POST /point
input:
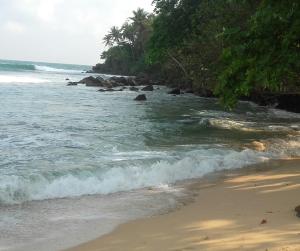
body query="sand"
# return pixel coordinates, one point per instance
(249, 209)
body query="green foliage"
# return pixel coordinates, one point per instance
(127, 46)
(265, 56)
(234, 47)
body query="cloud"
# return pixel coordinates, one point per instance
(61, 30)
(13, 27)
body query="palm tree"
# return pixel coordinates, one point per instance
(108, 40)
(113, 37)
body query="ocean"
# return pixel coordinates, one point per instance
(75, 163)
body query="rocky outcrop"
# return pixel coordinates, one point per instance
(91, 81)
(141, 97)
(285, 101)
(148, 88)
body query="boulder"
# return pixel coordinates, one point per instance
(100, 78)
(91, 81)
(120, 80)
(132, 88)
(141, 97)
(131, 81)
(175, 91)
(148, 88)
(67, 79)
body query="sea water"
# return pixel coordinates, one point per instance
(75, 163)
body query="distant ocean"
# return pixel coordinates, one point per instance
(77, 161)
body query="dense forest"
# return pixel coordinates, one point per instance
(230, 47)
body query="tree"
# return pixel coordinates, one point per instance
(265, 56)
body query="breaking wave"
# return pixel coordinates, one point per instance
(34, 67)
(194, 164)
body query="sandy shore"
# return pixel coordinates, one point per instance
(249, 209)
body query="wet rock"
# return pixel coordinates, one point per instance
(141, 97)
(148, 88)
(100, 78)
(289, 102)
(91, 81)
(72, 83)
(67, 79)
(131, 81)
(134, 89)
(175, 91)
(119, 80)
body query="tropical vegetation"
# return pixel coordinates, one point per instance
(231, 47)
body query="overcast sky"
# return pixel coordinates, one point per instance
(64, 31)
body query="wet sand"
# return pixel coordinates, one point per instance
(247, 209)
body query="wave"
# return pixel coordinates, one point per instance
(195, 164)
(21, 79)
(51, 69)
(34, 67)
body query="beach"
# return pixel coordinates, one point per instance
(246, 209)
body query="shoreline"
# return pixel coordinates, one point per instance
(245, 209)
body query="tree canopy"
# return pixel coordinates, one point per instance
(232, 47)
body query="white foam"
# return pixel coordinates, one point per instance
(194, 164)
(57, 70)
(21, 79)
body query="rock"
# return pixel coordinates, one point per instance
(91, 81)
(72, 83)
(107, 90)
(131, 81)
(264, 221)
(141, 97)
(148, 88)
(100, 78)
(297, 209)
(67, 79)
(132, 88)
(175, 91)
(289, 102)
(119, 80)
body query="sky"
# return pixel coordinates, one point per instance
(60, 31)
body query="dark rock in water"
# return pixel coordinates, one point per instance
(289, 102)
(148, 88)
(67, 79)
(72, 83)
(100, 78)
(119, 80)
(107, 90)
(175, 91)
(141, 97)
(91, 81)
(205, 93)
(131, 81)
(132, 88)
(286, 101)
